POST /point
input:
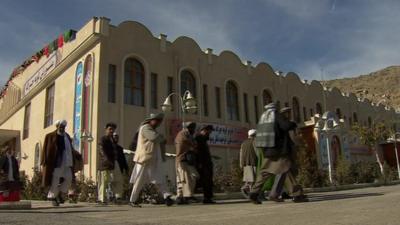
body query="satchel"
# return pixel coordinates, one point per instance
(190, 158)
(78, 161)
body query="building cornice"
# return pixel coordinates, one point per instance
(64, 63)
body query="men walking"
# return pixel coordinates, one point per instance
(109, 177)
(273, 137)
(57, 163)
(148, 158)
(248, 162)
(186, 173)
(205, 165)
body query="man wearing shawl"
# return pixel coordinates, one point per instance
(274, 140)
(186, 173)
(57, 163)
(149, 157)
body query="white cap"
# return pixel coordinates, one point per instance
(252, 132)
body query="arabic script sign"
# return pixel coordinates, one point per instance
(43, 71)
(223, 135)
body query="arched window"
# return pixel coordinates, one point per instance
(339, 113)
(232, 101)
(188, 83)
(318, 108)
(355, 117)
(296, 110)
(267, 97)
(134, 82)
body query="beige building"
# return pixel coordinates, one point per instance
(122, 73)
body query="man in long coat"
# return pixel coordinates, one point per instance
(248, 161)
(205, 165)
(57, 163)
(149, 157)
(186, 173)
(274, 139)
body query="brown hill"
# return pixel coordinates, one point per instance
(382, 84)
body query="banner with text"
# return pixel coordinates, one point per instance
(223, 135)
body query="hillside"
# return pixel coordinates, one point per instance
(382, 84)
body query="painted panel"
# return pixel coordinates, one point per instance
(86, 103)
(78, 107)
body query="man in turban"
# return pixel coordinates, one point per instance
(248, 161)
(57, 163)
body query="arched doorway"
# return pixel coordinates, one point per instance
(336, 150)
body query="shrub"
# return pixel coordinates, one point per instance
(389, 174)
(230, 181)
(365, 172)
(309, 174)
(86, 189)
(344, 173)
(33, 188)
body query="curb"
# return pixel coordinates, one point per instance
(16, 205)
(349, 187)
(238, 195)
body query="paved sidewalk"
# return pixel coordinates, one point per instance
(367, 206)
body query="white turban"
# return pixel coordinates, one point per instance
(188, 124)
(252, 132)
(61, 122)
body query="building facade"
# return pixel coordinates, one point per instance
(123, 73)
